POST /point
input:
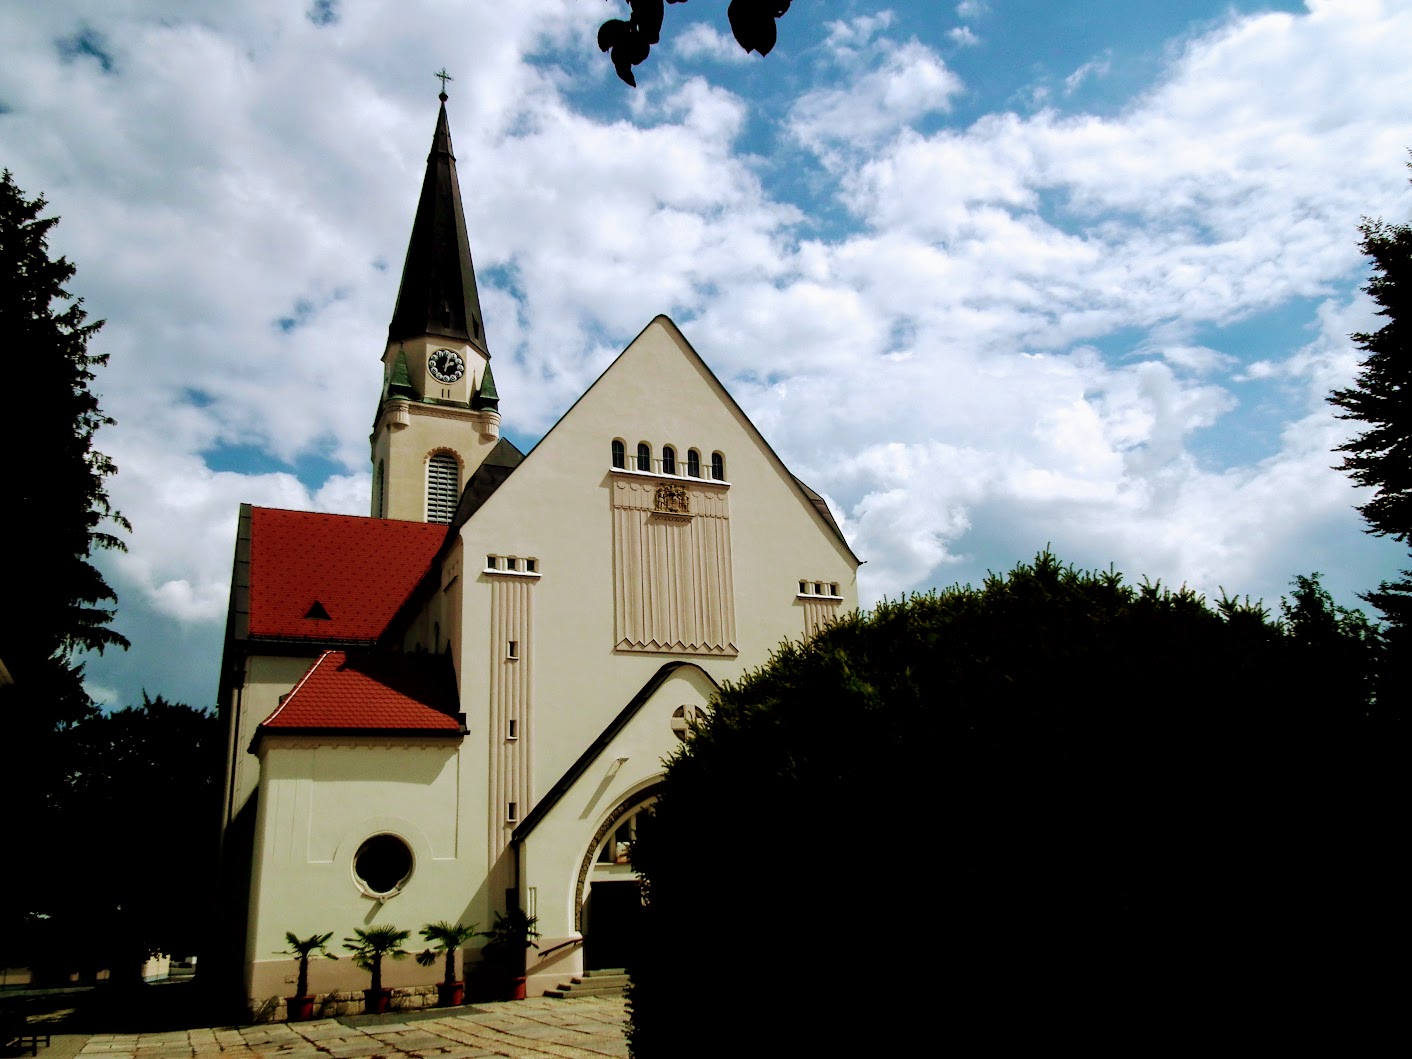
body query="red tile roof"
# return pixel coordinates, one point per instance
(358, 570)
(371, 691)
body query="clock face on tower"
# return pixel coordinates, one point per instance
(446, 365)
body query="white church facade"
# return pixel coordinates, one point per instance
(458, 704)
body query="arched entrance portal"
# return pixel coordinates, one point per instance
(609, 902)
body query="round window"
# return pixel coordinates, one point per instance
(684, 719)
(382, 864)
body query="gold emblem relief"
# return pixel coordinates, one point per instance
(672, 500)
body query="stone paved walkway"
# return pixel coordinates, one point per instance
(539, 1028)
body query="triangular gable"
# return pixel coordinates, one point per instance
(359, 571)
(365, 691)
(811, 500)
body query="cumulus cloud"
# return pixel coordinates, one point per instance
(889, 85)
(1213, 197)
(702, 40)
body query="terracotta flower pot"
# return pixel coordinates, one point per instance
(301, 1008)
(517, 989)
(377, 1001)
(450, 994)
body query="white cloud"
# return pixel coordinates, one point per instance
(1093, 68)
(702, 40)
(963, 36)
(909, 81)
(845, 39)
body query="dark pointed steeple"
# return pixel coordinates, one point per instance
(438, 293)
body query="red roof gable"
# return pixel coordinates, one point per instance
(357, 571)
(371, 691)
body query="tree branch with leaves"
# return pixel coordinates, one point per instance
(629, 41)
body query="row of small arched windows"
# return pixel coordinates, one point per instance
(668, 463)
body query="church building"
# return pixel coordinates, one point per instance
(459, 704)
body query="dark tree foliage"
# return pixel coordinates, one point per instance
(628, 41)
(1381, 397)
(56, 503)
(1058, 802)
(123, 870)
(55, 516)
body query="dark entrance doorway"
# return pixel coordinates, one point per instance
(613, 919)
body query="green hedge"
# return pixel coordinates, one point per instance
(1055, 800)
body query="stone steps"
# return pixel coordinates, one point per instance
(608, 982)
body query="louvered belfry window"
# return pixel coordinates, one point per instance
(443, 487)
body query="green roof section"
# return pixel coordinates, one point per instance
(486, 397)
(400, 385)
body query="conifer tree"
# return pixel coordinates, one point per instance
(54, 516)
(57, 512)
(1381, 397)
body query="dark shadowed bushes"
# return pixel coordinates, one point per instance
(1058, 800)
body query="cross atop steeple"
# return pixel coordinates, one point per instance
(444, 78)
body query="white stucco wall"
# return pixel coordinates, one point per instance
(320, 799)
(267, 677)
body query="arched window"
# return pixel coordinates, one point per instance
(693, 463)
(615, 848)
(669, 460)
(619, 454)
(443, 487)
(644, 456)
(718, 467)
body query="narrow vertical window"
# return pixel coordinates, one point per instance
(512, 811)
(492, 563)
(443, 487)
(381, 507)
(644, 456)
(803, 588)
(531, 565)
(718, 467)
(513, 729)
(693, 463)
(619, 454)
(669, 460)
(512, 649)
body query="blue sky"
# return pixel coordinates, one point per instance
(990, 276)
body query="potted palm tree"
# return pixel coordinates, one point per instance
(511, 936)
(447, 938)
(301, 1005)
(369, 947)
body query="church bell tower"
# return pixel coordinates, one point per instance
(438, 415)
